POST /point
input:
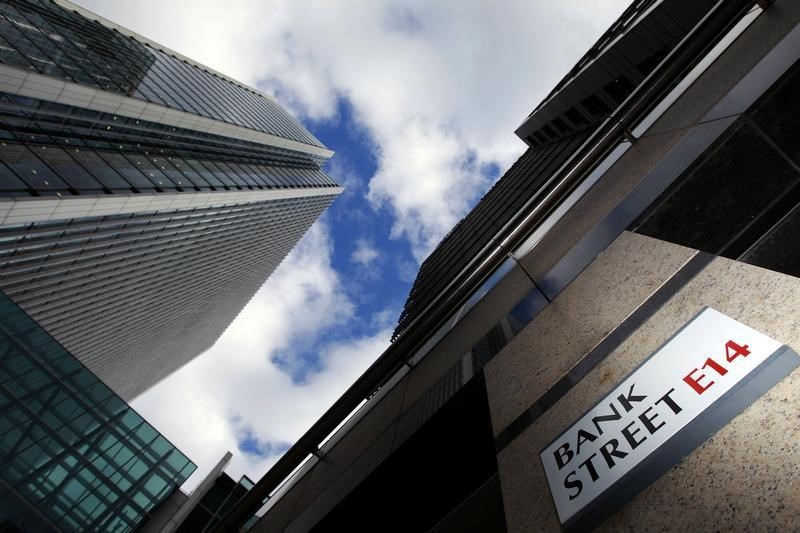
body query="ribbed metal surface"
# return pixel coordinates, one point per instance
(135, 297)
(132, 227)
(479, 227)
(374, 455)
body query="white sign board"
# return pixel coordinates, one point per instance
(693, 370)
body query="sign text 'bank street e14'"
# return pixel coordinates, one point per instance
(694, 384)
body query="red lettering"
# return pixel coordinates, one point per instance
(695, 382)
(716, 366)
(732, 351)
(733, 348)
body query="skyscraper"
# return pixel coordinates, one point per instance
(144, 198)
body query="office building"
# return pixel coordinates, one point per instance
(144, 198)
(200, 510)
(73, 455)
(662, 176)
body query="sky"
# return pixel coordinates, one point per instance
(419, 99)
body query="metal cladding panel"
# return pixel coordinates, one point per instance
(44, 37)
(476, 230)
(135, 297)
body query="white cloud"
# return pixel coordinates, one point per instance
(364, 254)
(236, 386)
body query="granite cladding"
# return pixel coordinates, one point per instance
(746, 477)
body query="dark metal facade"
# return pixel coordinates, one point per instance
(741, 198)
(220, 498)
(583, 107)
(522, 181)
(609, 72)
(73, 455)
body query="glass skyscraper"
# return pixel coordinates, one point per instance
(144, 198)
(73, 455)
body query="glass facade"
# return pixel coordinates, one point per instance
(44, 37)
(74, 456)
(53, 149)
(220, 498)
(132, 233)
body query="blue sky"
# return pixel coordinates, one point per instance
(376, 271)
(419, 100)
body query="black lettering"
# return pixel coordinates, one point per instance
(590, 467)
(609, 450)
(563, 455)
(627, 400)
(606, 418)
(648, 421)
(573, 484)
(670, 402)
(630, 436)
(583, 436)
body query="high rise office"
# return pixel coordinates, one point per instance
(144, 198)
(661, 177)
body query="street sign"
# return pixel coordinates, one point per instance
(706, 374)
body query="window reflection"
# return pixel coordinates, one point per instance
(77, 49)
(74, 455)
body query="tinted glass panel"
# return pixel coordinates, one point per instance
(64, 165)
(100, 169)
(727, 191)
(59, 42)
(778, 114)
(30, 168)
(70, 457)
(741, 198)
(128, 170)
(780, 248)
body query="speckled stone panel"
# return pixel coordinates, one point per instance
(746, 477)
(600, 298)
